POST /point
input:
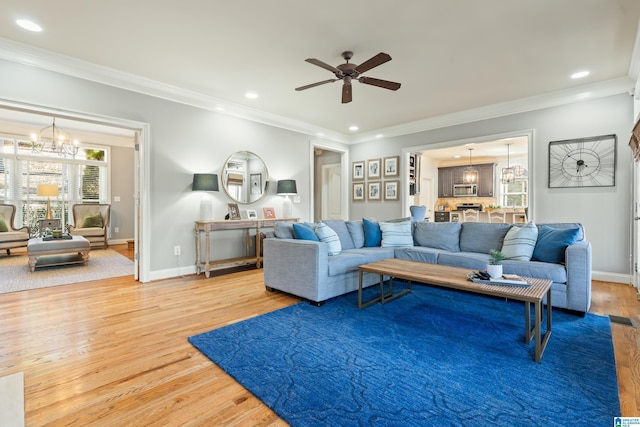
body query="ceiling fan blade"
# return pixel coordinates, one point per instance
(346, 93)
(317, 84)
(379, 59)
(386, 84)
(323, 65)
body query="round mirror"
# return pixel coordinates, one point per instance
(244, 177)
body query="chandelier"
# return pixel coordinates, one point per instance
(508, 173)
(53, 139)
(470, 174)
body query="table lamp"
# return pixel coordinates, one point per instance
(286, 188)
(49, 191)
(205, 182)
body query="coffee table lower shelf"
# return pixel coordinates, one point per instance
(456, 278)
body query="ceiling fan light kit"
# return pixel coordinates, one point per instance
(348, 72)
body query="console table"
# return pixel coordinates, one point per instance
(207, 226)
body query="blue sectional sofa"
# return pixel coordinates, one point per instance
(319, 269)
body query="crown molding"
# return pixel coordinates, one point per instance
(44, 59)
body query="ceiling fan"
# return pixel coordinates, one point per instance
(348, 72)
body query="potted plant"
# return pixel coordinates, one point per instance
(494, 268)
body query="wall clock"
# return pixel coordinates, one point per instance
(583, 162)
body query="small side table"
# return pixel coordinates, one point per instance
(48, 223)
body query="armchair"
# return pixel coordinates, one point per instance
(10, 236)
(91, 221)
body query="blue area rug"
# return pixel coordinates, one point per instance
(434, 357)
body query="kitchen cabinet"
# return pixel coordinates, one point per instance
(441, 216)
(449, 176)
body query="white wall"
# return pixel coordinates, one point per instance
(604, 212)
(184, 140)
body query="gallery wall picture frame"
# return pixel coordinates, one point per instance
(391, 166)
(391, 190)
(583, 162)
(357, 171)
(234, 212)
(255, 181)
(268, 213)
(373, 168)
(373, 191)
(252, 214)
(357, 193)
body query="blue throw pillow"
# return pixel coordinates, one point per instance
(553, 242)
(304, 232)
(372, 233)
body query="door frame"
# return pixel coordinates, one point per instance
(344, 162)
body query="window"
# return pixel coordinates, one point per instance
(80, 179)
(514, 194)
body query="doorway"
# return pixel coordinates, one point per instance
(328, 182)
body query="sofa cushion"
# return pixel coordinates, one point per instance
(356, 230)
(419, 253)
(552, 243)
(396, 234)
(541, 270)
(482, 237)
(327, 235)
(345, 262)
(283, 230)
(372, 233)
(304, 232)
(438, 235)
(565, 225)
(374, 254)
(340, 227)
(3, 225)
(520, 241)
(470, 260)
(14, 236)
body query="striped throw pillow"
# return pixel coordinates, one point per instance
(519, 242)
(330, 237)
(396, 234)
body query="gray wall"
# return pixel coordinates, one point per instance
(605, 212)
(122, 185)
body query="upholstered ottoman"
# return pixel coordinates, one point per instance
(57, 251)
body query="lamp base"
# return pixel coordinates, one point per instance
(206, 208)
(49, 215)
(286, 207)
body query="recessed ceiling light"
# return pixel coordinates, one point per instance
(379, 135)
(579, 74)
(353, 128)
(29, 25)
(251, 95)
(219, 109)
(457, 156)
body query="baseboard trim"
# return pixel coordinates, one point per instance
(611, 277)
(172, 272)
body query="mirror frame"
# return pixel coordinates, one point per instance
(251, 175)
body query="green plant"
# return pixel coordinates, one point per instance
(496, 257)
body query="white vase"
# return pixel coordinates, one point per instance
(495, 271)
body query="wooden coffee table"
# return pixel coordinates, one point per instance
(456, 278)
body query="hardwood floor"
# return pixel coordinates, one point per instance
(114, 352)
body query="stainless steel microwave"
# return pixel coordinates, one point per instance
(465, 190)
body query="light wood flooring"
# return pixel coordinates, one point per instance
(114, 352)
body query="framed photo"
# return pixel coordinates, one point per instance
(234, 212)
(269, 213)
(357, 173)
(583, 162)
(358, 192)
(255, 180)
(374, 191)
(373, 168)
(391, 166)
(391, 190)
(252, 214)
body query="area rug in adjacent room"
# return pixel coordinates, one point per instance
(103, 264)
(434, 357)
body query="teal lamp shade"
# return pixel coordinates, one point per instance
(286, 187)
(205, 182)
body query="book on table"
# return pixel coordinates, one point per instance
(505, 280)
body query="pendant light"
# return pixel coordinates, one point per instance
(470, 174)
(508, 173)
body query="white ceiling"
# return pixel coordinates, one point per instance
(450, 56)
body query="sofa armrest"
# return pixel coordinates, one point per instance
(299, 267)
(578, 265)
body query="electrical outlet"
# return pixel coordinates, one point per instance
(116, 230)
(176, 250)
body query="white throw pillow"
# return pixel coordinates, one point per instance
(327, 235)
(520, 242)
(396, 234)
